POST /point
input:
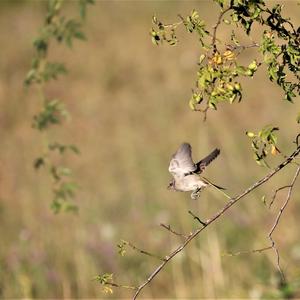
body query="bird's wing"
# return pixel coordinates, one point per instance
(182, 162)
(201, 165)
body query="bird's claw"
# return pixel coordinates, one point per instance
(196, 194)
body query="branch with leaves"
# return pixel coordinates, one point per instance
(62, 30)
(219, 70)
(204, 224)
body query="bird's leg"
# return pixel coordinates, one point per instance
(196, 193)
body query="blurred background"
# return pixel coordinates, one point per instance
(129, 105)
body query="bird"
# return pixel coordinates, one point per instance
(186, 173)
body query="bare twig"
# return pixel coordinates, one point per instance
(275, 194)
(215, 27)
(204, 111)
(168, 227)
(273, 245)
(247, 251)
(196, 218)
(129, 287)
(144, 252)
(230, 203)
(107, 280)
(174, 25)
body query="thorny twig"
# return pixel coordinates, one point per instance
(230, 203)
(278, 219)
(275, 194)
(144, 252)
(113, 284)
(273, 245)
(168, 227)
(247, 251)
(204, 111)
(197, 218)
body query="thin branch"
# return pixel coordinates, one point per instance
(285, 156)
(231, 202)
(275, 194)
(197, 218)
(247, 251)
(215, 27)
(174, 25)
(204, 111)
(121, 286)
(168, 227)
(144, 252)
(273, 245)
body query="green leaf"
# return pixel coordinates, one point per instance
(250, 134)
(56, 205)
(212, 105)
(30, 77)
(74, 149)
(53, 70)
(63, 171)
(107, 289)
(253, 65)
(122, 247)
(104, 278)
(83, 5)
(80, 35)
(69, 207)
(192, 104)
(272, 138)
(52, 114)
(201, 58)
(241, 70)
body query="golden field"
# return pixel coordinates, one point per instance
(128, 101)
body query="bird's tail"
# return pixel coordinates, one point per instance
(209, 182)
(218, 187)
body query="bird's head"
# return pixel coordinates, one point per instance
(171, 185)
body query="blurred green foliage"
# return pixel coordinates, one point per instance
(63, 30)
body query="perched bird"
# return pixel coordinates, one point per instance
(186, 173)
